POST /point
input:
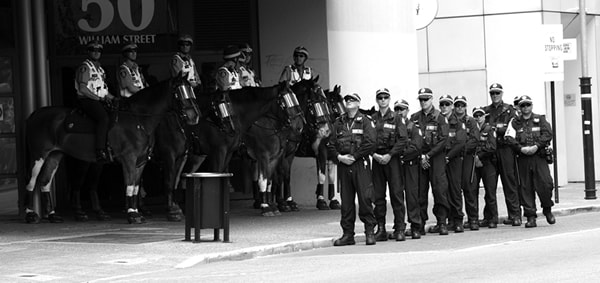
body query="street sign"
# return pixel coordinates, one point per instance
(552, 44)
(569, 49)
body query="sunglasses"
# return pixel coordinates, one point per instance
(350, 99)
(461, 105)
(299, 55)
(400, 108)
(185, 44)
(525, 104)
(383, 97)
(495, 93)
(424, 99)
(477, 115)
(445, 104)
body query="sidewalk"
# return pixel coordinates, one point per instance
(33, 249)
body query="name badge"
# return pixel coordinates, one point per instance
(535, 129)
(357, 131)
(431, 128)
(500, 126)
(389, 126)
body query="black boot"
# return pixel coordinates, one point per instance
(381, 234)
(530, 222)
(398, 235)
(322, 204)
(49, 208)
(31, 216)
(549, 216)
(345, 240)
(370, 238)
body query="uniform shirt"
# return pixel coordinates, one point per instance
(93, 75)
(457, 136)
(434, 129)
(486, 146)
(528, 132)
(228, 77)
(414, 143)
(185, 64)
(390, 132)
(472, 133)
(292, 74)
(247, 77)
(498, 117)
(355, 136)
(130, 78)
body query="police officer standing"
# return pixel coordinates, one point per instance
(92, 92)
(468, 157)
(183, 62)
(530, 135)
(228, 76)
(498, 116)
(248, 76)
(297, 71)
(351, 142)
(409, 171)
(454, 149)
(485, 169)
(130, 78)
(391, 140)
(434, 127)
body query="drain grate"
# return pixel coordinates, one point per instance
(117, 238)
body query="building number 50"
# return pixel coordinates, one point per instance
(107, 14)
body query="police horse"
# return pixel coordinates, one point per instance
(49, 136)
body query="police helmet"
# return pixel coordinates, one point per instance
(185, 38)
(128, 47)
(301, 50)
(231, 51)
(94, 44)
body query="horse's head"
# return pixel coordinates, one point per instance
(289, 102)
(336, 101)
(184, 93)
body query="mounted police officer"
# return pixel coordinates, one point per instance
(130, 77)
(455, 146)
(391, 140)
(183, 62)
(485, 170)
(498, 116)
(297, 71)
(530, 135)
(228, 76)
(409, 171)
(468, 157)
(90, 83)
(351, 142)
(434, 127)
(247, 74)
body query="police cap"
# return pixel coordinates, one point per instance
(353, 95)
(425, 93)
(496, 87)
(525, 99)
(446, 98)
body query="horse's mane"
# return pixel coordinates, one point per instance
(151, 94)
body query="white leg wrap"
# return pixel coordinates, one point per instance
(35, 171)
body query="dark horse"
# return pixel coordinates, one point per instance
(131, 138)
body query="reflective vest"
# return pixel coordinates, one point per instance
(96, 82)
(349, 135)
(296, 77)
(188, 67)
(136, 78)
(385, 127)
(233, 79)
(247, 77)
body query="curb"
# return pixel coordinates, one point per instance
(296, 246)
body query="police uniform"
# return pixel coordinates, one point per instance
(247, 77)
(498, 116)
(486, 154)
(434, 127)
(185, 64)
(130, 77)
(455, 146)
(410, 169)
(92, 75)
(534, 172)
(293, 73)
(355, 136)
(227, 75)
(391, 139)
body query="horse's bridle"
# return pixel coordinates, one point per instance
(187, 99)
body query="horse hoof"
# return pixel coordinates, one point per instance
(32, 218)
(81, 216)
(141, 220)
(174, 217)
(283, 207)
(266, 211)
(101, 215)
(133, 218)
(53, 218)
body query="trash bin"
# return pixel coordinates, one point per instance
(207, 204)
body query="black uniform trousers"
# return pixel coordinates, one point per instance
(508, 175)
(488, 175)
(470, 191)
(383, 176)
(535, 177)
(455, 198)
(410, 185)
(95, 110)
(355, 180)
(436, 175)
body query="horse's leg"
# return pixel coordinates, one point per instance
(173, 170)
(131, 175)
(262, 186)
(272, 168)
(255, 187)
(30, 215)
(91, 182)
(332, 181)
(287, 189)
(321, 159)
(77, 171)
(44, 181)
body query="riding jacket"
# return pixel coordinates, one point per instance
(185, 64)
(292, 74)
(130, 75)
(94, 76)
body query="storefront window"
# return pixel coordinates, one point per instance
(6, 75)
(7, 115)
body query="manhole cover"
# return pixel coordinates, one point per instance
(120, 238)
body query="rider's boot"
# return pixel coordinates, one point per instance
(49, 208)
